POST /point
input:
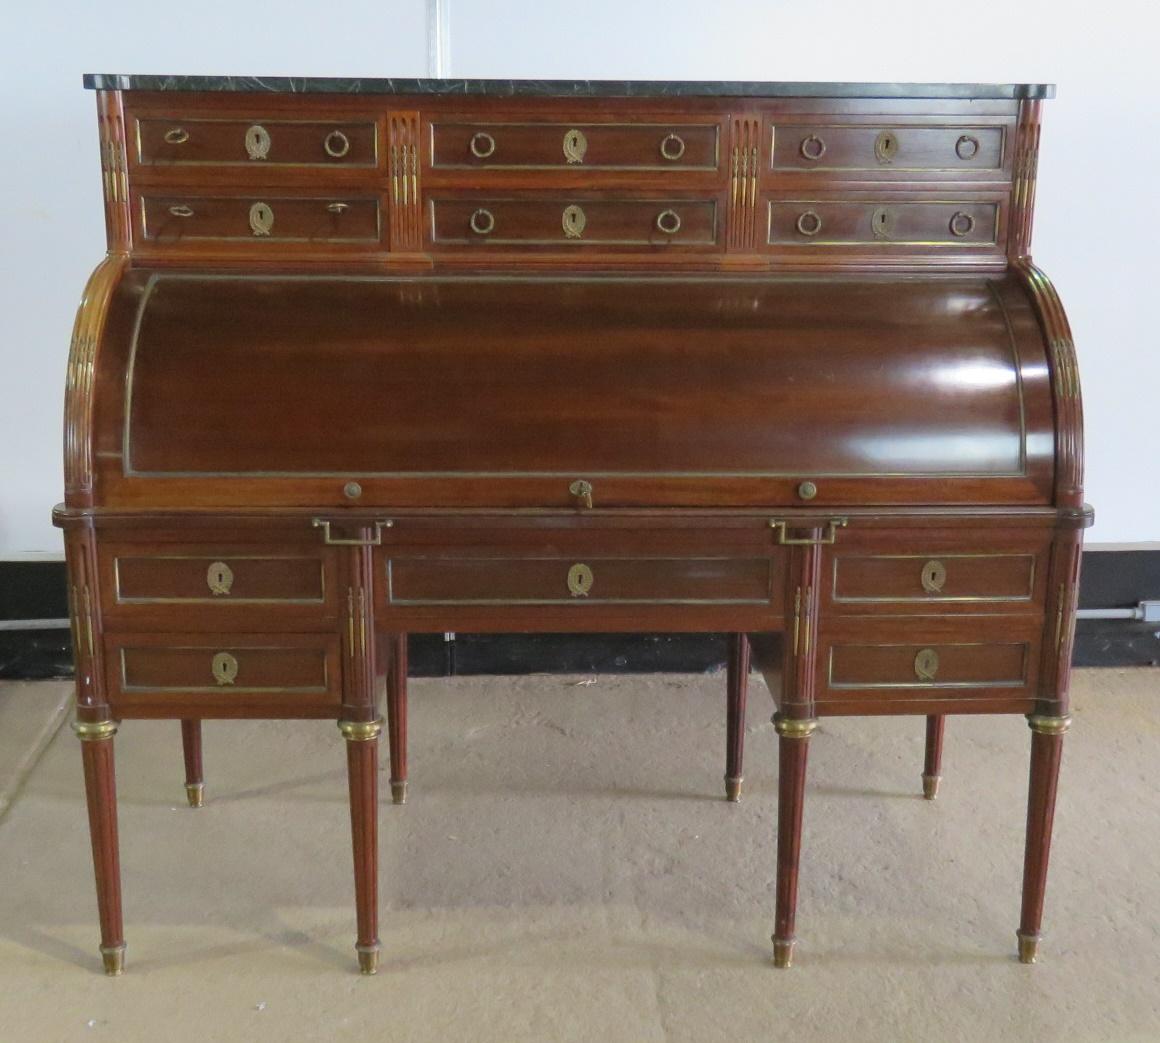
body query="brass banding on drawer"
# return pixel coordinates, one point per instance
(179, 141)
(935, 577)
(559, 581)
(887, 150)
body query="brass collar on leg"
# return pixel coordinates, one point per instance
(794, 727)
(113, 957)
(361, 731)
(95, 731)
(1043, 725)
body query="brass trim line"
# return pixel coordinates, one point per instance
(1042, 724)
(361, 731)
(794, 727)
(95, 731)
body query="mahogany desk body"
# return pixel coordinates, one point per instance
(368, 358)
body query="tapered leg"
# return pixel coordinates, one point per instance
(932, 768)
(194, 779)
(397, 717)
(101, 795)
(793, 747)
(736, 688)
(1046, 751)
(362, 754)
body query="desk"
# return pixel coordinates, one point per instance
(371, 358)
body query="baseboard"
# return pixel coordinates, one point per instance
(1110, 579)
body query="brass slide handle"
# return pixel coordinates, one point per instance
(482, 144)
(784, 540)
(176, 136)
(336, 144)
(339, 541)
(482, 221)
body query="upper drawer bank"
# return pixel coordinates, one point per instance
(504, 391)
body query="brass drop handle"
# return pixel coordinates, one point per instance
(482, 221)
(582, 490)
(967, 147)
(809, 223)
(785, 540)
(672, 147)
(181, 210)
(812, 148)
(338, 541)
(668, 222)
(176, 136)
(961, 224)
(338, 208)
(336, 144)
(482, 144)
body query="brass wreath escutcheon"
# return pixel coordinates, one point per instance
(257, 142)
(934, 575)
(926, 664)
(575, 145)
(225, 668)
(579, 580)
(219, 577)
(261, 219)
(573, 221)
(885, 146)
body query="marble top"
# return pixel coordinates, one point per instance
(566, 88)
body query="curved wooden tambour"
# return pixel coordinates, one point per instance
(245, 391)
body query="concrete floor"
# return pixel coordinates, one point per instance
(567, 870)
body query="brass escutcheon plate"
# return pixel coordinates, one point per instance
(580, 580)
(224, 668)
(220, 578)
(926, 664)
(934, 575)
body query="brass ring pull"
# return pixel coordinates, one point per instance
(257, 142)
(482, 144)
(967, 147)
(961, 224)
(783, 540)
(668, 222)
(482, 221)
(672, 147)
(812, 148)
(338, 541)
(337, 208)
(809, 223)
(181, 210)
(885, 146)
(176, 136)
(336, 143)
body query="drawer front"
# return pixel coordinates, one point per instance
(224, 675)
(812, 222)
(327, 219)
(600, 146)
(923, 579)
(174, 141)
(889, 150)
(565, 222)
(588, 581)
(928, 666)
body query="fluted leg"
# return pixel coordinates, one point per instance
(932, 767)
(1046, 752)
(194, 779)
(736, 688)
(793, 747)
(362, 753)
(101, 796)
(397, 717)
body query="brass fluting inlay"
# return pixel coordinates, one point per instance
(225, 668)
(257, 142)
(575, 145)
(926, 664)
(219, 577)
(580, 580)
(934, 575)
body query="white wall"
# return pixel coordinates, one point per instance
(1098, 209)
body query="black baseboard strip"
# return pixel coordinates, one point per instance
(1110, 579)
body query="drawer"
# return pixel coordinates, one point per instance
(936, 578)
(568, 221)
(223, 675)
(599, 146)
(813, 222)
(890, 150)
(175, 141)
(252, 219)
(212, 586)
(591, 581)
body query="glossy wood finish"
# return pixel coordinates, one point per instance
(194, 771)
(932, 763)
(368, 364)
(1046, 754)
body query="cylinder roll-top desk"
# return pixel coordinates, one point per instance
(375, 357)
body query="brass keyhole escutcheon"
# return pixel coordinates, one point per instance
(257, 142)
(261, 219)
(926, 664)
(582, 490)
(220, 578)
(807, 490)
(574, 220)
(934, 575)
(579, 580)
(880, 223)
(885, 146)
(575, 145)
(225, 668)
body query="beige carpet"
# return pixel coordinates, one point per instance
(567, 870)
